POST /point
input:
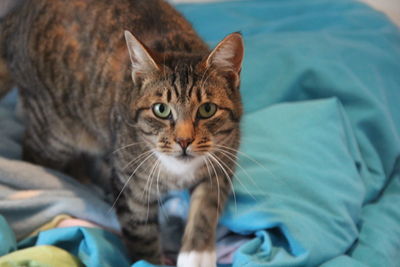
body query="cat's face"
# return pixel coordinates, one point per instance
(188, 119)
(189, 113)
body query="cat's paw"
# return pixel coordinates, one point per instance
(197, 259)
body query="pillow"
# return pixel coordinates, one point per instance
(298, 188)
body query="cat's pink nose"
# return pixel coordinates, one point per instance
(184, 142)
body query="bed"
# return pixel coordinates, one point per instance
(319, 182)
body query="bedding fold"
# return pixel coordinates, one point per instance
(319, 176)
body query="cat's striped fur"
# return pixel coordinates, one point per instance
(84, 94)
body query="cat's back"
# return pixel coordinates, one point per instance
(148, 19)
(79, 36)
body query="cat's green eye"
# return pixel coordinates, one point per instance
(162, 110)
(207, 110)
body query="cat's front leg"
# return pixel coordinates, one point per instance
(140, 229)
(198, 243)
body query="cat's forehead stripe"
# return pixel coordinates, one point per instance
(184, 81)
(191, 88)
(198, 94)
(174, 79)
(169, 95)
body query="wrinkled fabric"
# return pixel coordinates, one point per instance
(319, 179)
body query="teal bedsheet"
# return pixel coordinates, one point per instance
(321, 88)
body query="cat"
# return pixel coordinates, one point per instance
(132, 82)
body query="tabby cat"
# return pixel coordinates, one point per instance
(153, 100)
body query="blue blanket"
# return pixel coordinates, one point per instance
(319, 183)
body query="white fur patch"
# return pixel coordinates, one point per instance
(197, 259)
(180, 167)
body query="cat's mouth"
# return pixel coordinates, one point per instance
(181, 164)
(185, 157)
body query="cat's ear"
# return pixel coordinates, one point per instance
(228, 55)
(141, 59)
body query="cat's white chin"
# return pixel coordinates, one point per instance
(185, 167)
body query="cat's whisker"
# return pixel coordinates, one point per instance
(160, 203)
(236, 176)
(234, 158)
(128, 180)
(226, 175)
(137, 158)
(151, 177)
(216, 178)
(152, 166)
(242, 153)
(126, 146)
(208, 170)
(147, 171)
(253, 160)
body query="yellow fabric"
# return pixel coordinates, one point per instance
(40, 256)
(51, 224)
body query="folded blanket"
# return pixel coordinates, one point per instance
(319, 179)
(30, 196)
